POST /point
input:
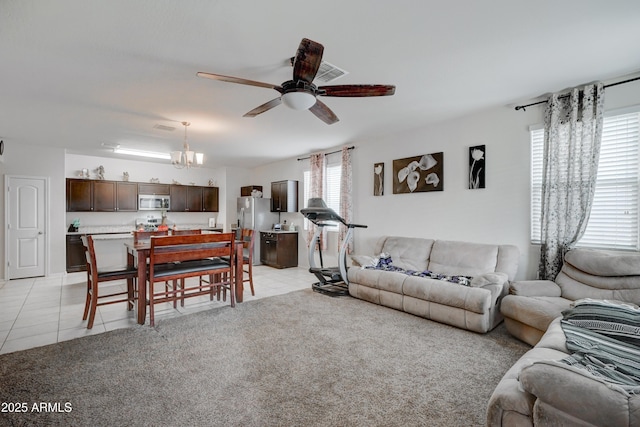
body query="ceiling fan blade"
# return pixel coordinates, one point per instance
(357, 90)
(324, 113)
(307, 60)
(238, 80)
(264, 107)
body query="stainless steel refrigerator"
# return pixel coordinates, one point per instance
(255, 213)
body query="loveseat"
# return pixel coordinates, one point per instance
(585, 273)
(419, 281)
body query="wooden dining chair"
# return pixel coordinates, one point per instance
(175, 258)
(96, 275)
(248, 240)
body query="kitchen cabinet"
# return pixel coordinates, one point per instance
(284, 196)
(87, 195)
(101, 196)
(186, 198)
(153, 189)
(210, 197)
(115, 196)
(279, 250)
(191, 198)
(126, 196)
(76, 260)
(104, 196)
(246, 191)
(79, 195)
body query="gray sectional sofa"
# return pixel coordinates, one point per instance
(475, 307)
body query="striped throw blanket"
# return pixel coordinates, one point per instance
(603, 338)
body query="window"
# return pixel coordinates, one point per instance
(331, 191)
(613, 223)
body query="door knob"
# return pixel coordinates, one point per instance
(40, 232)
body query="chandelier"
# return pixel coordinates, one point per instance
(186, 158)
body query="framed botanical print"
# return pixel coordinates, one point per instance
(378, 179)
(418, 174)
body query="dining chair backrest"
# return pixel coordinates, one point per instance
(186, 232)
(247, 236)
(89, 253)
(190, 247)
(146, 235)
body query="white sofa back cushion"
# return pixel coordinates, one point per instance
(471, 259)
(410, 253)
(588, 273)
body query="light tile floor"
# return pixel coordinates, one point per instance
(45, 310)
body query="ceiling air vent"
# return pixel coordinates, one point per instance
(163, 127)
(329, 72)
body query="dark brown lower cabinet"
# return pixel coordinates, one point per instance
(76, 260)
(279, 250)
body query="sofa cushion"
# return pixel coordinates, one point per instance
(464, 258)
(604, 263)
(477, 300)
(537, 312)
(378, 279)
(492, 278)
(409, 253)
(576, 395)
(598, 274)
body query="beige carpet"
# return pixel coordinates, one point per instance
(300, 359)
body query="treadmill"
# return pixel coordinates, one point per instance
(332, 281)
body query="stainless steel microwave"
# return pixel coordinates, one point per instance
(153, 202)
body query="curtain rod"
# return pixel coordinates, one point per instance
(522, 107)
(326, 154)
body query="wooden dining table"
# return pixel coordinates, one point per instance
(140, 251)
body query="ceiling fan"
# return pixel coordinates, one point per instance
(300, 93)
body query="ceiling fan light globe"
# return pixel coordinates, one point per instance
(298, 100)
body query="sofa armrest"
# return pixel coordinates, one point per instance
(535, 288)
(487, 279)
(578, 394)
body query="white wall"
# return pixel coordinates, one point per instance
(497, 214)
(37, 161)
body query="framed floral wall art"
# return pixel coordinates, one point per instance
(477, 157)
(378, 179)
(418, 174)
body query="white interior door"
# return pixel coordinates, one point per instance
(26, 226)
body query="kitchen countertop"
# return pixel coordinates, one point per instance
(278, 231)
(128, 229)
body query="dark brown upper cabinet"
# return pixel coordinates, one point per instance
(284, 196)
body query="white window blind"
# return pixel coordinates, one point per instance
(613, 223)
(331, 191)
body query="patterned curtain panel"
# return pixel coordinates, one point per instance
(316, 190)
(573, 132)
(346, 198)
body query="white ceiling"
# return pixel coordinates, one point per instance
(77, 74)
